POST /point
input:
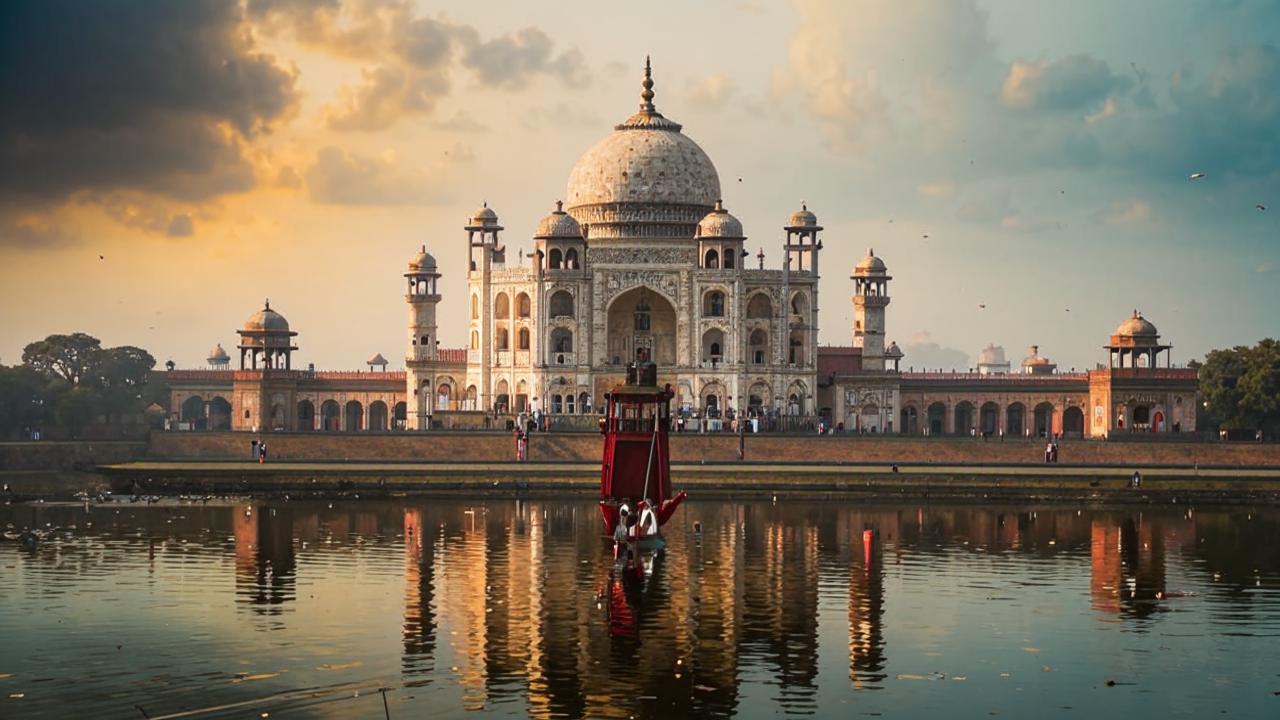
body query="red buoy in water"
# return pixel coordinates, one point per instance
(868, 543)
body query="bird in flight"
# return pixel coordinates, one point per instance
(982, 306)
(926, 237)
(1261, 207)
(1195, 176)
(102, 257)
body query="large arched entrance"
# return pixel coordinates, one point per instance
(193, 412)
(219, 413)
(377, 415)
(910, 424)
(401, 415)
(306, 415)
(1073, 422)
(355, 416)
(641, 325)
(330, 416)
(1015, 420)
(1043, 423)
(964, 418)
(937, 419)
(989, 418)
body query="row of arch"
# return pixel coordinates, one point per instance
(560, 304)
(966, 418)
(353, 416)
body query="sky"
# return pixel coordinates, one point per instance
(1023, 167)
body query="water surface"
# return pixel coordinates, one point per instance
(307, 609)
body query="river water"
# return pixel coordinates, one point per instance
(308, 609)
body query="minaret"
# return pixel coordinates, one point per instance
(422, 297)
(870, 297)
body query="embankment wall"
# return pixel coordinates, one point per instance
(585, 447)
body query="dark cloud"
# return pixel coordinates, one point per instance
(159, 97)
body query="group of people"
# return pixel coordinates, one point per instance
(522, 444)
(1051, 452)
(635, 521)
(258, 450)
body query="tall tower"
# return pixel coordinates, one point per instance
(870, 298)
(422, 297)
(800, 269)
(485, 253)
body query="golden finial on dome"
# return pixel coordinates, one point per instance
(647, 94)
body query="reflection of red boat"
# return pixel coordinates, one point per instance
(636, 470)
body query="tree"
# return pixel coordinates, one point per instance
(24, 402)
(70, 357)
(75, 409)
(1242, 387)
(120, 376)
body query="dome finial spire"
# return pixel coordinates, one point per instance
(267, 303)
(646, 95)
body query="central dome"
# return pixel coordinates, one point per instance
(646, 179)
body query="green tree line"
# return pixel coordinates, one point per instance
(66, 383)
(1240, 388)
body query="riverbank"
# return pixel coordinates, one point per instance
(979, 483)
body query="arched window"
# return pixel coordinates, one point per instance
(475, 307)
(713, 304)
(568, 403)
(571, 259)
(715, 350)
(523, 339)
(759, 307)
(557, 403)
(475, 340)
(799, 304)
(426, 341)
(501, 306)
(561, 304)
(522, 305)
(503, 341)
(729, 259)
(561, 340)
(554, 259)
(711, 260)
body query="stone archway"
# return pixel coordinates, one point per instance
(641, 320)
(989, 418)
(910, 424)
(219, 413)
(1015, 419)
(1073, 422)
(192, 411)
(964, 417)
(378, 415)
(354, 416)
(937, 419)
(1042, 424)
(306, 415)
(330, 416)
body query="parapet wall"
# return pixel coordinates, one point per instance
(71, 455)
(585, 447)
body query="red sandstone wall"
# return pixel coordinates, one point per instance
(45, 455)
(481, 446)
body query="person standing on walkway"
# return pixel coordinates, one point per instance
(262, 452)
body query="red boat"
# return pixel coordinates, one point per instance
(635, 474)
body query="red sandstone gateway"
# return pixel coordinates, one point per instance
(635, 473)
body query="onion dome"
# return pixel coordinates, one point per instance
(803, 218)
(218, 356)
(422, 260)
(1137, 327)
(720, 223)
(266, 319)
(1036, 363)
(559, 224)
(646, 178)
(869, 265)
(484, 217)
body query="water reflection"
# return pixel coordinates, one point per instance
(515, 608)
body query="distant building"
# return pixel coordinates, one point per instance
(642, 261)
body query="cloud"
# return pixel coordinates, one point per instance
(712, 92)
(941, 188)
(1265, 267)
(1128, 212)
(339, 177)
(410, 59)
(156, 97)
(461, 122)
(511, 60)
(180, 226)
(922, 352)
(386, 94)
(1071, 84)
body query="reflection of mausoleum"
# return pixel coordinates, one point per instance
(642, 261)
